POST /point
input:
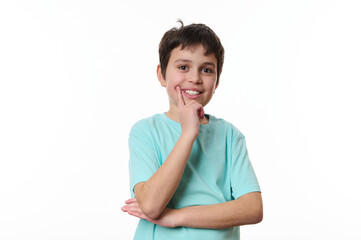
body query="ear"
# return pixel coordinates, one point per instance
(160, 76)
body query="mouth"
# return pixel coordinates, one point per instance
(192, 93)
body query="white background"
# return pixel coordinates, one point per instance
(75, 75)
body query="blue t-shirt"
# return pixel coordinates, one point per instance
(218, 170)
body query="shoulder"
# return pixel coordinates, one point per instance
(141, 131)
(232, 131)
(146, 123)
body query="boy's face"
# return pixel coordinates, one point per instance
(193, 72)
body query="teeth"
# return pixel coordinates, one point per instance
(191, 92)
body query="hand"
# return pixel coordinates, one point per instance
(167, 219)
(189, 115)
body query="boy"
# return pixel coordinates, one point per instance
(190, 175)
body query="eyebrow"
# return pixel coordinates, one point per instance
(209, 63)
(186, 60)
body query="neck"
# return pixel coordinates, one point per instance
(173, 114)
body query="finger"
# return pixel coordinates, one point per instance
(125, 208)
(130, 206)
(134, 204)
(180, 97)
(130, 200)
(134, 208)
(135, 213)
(198, 107)
(201, 113)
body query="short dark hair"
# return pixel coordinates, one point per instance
(190, 36)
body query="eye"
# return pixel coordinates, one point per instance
(183, 67)
(207, 70)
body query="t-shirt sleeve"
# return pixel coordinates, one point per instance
(243, 177)
(142, 155)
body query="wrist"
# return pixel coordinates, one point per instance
(179, 218)
(190, 136)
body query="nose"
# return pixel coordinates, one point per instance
(195, 77)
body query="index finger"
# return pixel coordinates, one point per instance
(180, 97)
(130, 200)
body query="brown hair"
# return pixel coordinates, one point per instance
(190, 36)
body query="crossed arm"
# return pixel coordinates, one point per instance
(247, 209)
(153, 195)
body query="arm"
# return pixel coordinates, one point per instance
(247, 209)
(154, 194)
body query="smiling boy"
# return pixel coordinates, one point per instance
(190, 175)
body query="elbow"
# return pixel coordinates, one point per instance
(153, 215)
(256, 209)
(253, 213)
(252, 217)
(257, 215)
(150, 210)
(149, 207)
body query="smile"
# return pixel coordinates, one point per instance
(191, 92)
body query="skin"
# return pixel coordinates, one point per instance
(188, 69)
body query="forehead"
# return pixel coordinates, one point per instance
(193, 53)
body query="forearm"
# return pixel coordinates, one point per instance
(245, 210)
(154, 195)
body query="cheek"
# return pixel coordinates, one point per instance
(171, 91)
(171, 85)
(170, 88)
